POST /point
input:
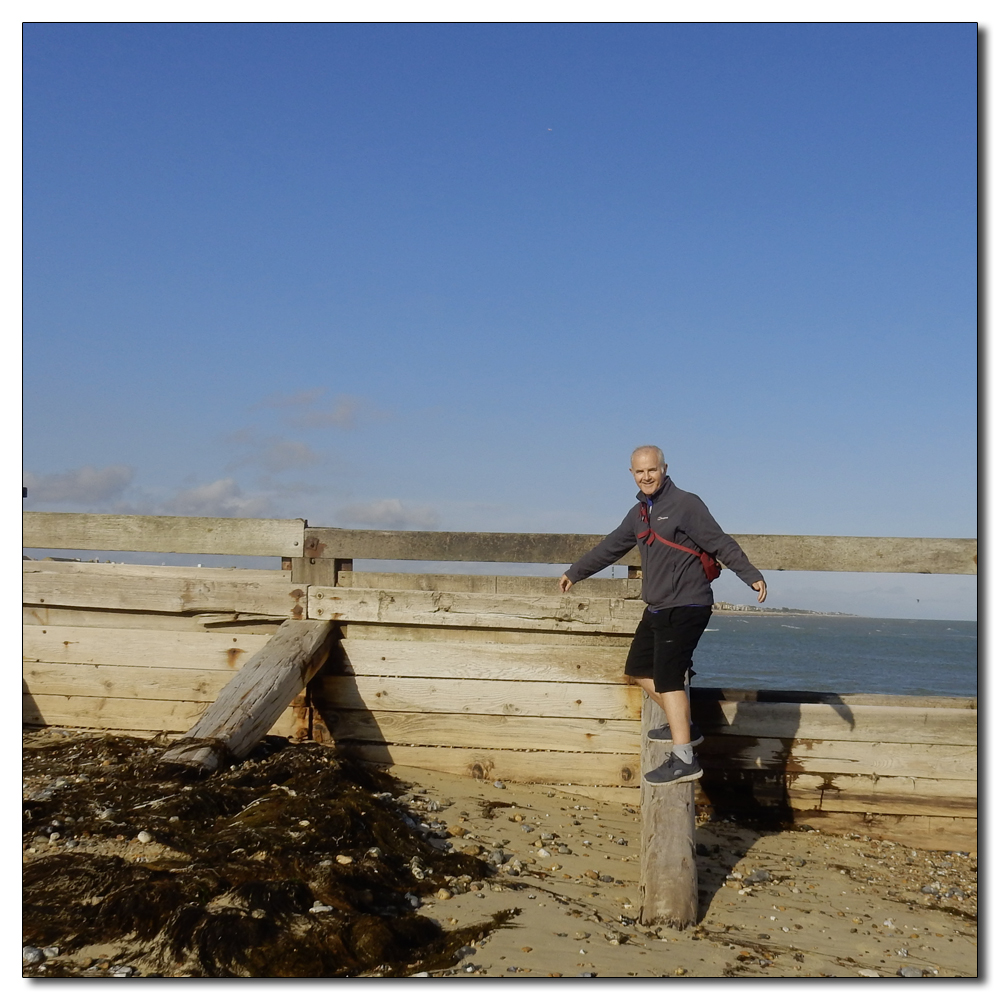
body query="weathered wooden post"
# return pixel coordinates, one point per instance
(668, 873)
(251, 702)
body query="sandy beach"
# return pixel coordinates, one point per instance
(561, 898)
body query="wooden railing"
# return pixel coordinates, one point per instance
(467, 673)
(293, 538)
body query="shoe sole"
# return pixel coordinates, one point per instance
(694, 776)
(660, 739)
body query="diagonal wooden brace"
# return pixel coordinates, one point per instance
(249, 705)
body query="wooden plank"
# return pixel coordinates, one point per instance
(719, 753)
(895, 795)
(140, 647)
(854, 554)
(414, 607)
(863, 723)
(486, 698)
(134, 714)
(473, 584)
(233, 536)
(668, 869)
(496, 732)
(248, 706)
(238, 623)
(90, 585)
(486, 661)
(459, 546)
(506, 765)
(457, 635)
(149, 683)
(767, 552)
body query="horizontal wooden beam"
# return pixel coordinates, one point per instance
(558, 613)
(155, 588)
(836, 553)
(486, 699)
(231, 536)
(290, 538)
(135, 714)
(454, 546)
(847, 554)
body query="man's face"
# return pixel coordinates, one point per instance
(648, 472)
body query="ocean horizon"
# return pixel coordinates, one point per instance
(845, 654)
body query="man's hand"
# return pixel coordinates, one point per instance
(761, 589)
(565, 583)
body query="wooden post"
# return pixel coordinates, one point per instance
(249, 705)
(668, 873)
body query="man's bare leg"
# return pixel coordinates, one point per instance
(675, 707)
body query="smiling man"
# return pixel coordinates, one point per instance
(678, 539)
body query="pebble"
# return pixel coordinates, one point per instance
(122, 971)
(144, 837)
(910, 972)
(344, 859)
(499, 784)
(30, 955)
(870, 973)
(443, 894)
(51, 952)
(542, 853)
(319, 907)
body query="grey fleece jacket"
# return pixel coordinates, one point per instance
(670, 578)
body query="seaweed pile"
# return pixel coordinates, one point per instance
(293, 863)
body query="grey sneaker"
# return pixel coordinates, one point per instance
(662, 735)
(674, 769)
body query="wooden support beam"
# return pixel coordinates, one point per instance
(230, 536)
(250, 703)
(668, 873)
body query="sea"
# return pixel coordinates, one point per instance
(838, 653)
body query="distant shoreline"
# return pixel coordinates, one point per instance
(725, 608)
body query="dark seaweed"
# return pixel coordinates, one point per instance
(258, 843)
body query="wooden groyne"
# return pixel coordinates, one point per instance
(495, 676)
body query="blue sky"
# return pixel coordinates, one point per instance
(446, 276)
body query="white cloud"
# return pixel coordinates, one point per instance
(272, 454)
(85, 486)
(223, 498)
(391, 514)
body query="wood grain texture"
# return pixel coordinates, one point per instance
(668, 870)
(496, 732)
(538, 586)
(248, 706)
(836, 553)
(240, 623)
(233, 536)
(139, 647)
(150, 683)
(483, 697)
(479, 660)
(415, 607)
(507, 765)
(132, 714)
(93, 585)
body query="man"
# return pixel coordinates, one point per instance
(678, 596)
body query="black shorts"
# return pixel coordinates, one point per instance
(664, 643)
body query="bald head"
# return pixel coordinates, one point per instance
(648, 468)
(649, 450)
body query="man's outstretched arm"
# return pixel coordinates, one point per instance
(602, 555)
